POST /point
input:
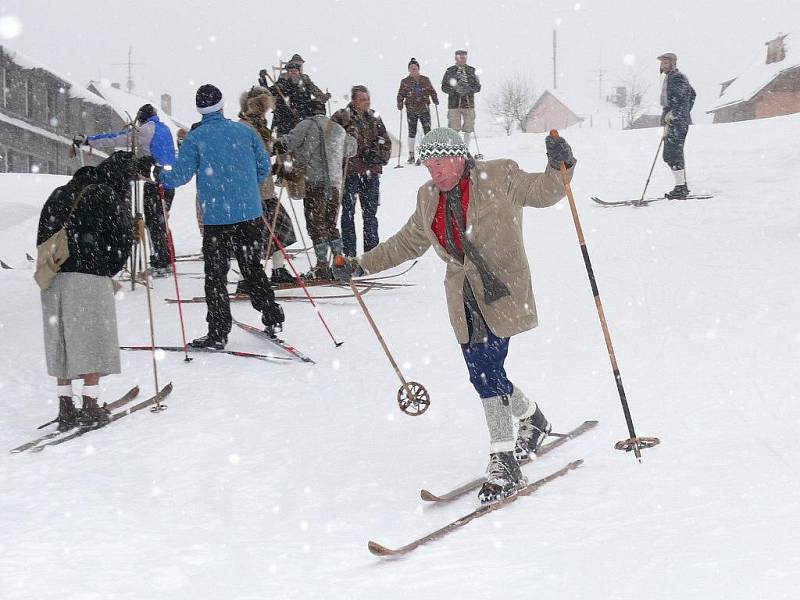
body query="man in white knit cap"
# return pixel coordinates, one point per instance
(471, 214)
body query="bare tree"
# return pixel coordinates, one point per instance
(512, 102)
(634, 89)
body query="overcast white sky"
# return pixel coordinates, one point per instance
(184, 44)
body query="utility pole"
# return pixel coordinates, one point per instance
(555, 60)
(601, 73)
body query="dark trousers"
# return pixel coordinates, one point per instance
(485, 363)
(154, 218)
(423, 117)
(246, 240)
(365, 189)
(673, 146)
(321, 207)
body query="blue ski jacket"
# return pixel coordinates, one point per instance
(229, 160)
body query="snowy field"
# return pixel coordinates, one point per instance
(267, 480)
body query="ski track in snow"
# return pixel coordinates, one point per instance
(267, 480)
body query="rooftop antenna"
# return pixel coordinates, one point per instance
(129, 85)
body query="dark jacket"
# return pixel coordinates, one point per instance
(374, 145)
(286, 117)
(461, 94)
(100, 229)
(416, 94)
(677, 96)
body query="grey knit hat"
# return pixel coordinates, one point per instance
(440, 142)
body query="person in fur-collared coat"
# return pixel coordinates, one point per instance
(255, 104)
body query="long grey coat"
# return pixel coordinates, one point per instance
(304, 143)
(499, 190)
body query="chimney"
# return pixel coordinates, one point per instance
(166, 104)
(776, 51)
(116, 86)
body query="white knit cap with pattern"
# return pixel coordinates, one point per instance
(441, 142)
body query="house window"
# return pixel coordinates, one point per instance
(35, 165)
(16, 162)
(52, 106)
(28, 98)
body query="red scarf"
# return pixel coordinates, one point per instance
(438, 220)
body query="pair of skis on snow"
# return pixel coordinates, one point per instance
(647, 201)
(118, 408)
(380, 550)
(292, 353)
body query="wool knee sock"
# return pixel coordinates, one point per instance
(521, 405)
(500, 421)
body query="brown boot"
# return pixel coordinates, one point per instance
(92, 415)
(67, 414)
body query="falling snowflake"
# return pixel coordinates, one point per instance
(10, 27)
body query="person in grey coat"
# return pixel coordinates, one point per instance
(321, 146)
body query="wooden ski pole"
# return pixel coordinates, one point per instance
(400, 142)
(412, 397)
(158, 407)
(634, 442)
(274, 224)
(641, 201)
(171, 247)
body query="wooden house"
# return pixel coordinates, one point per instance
(770, 87)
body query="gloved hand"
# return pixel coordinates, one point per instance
(278, 147)
(325, 97)
(558, 151)
(345, 268)
(669, 118)
(262, 78)
(399, 107)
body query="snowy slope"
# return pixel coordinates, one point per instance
(266, 481)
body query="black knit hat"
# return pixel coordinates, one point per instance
(296, 58)
(413, 61)
(208, 99)
(145, 112)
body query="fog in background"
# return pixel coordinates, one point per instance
(185, 44)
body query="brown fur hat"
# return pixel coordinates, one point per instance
(249, 100)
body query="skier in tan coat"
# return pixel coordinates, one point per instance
(471, 214)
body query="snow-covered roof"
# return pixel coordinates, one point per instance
(42, 132)
(584, 106)
(125, 104)
(757, 76)
(75, 89)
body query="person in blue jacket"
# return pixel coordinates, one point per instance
(229, 161)
(154, 141)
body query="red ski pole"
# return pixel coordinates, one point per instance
(171, 247)
(299, 280)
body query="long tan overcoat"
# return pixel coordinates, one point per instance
(499, 190)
